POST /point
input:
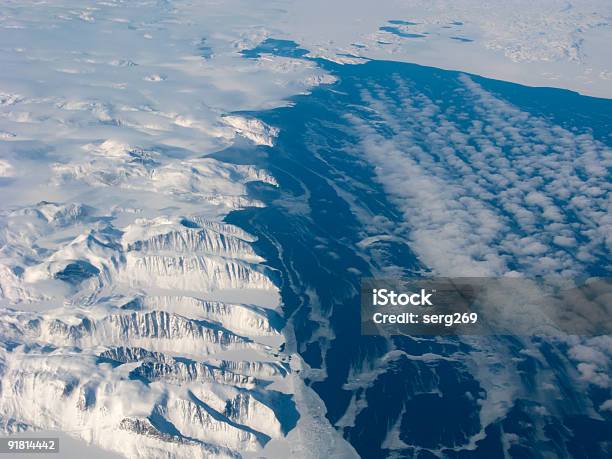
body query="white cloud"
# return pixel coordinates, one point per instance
(505, 191)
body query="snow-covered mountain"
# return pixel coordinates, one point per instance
(132, 317)
(104, 334)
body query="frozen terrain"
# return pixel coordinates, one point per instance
(133, 318)
(137, 316)
(556, 43)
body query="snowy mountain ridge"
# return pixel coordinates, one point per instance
(98, 342)
(133, 317)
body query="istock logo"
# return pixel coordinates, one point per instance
(384, 297)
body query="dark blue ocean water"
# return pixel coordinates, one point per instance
(328, 201)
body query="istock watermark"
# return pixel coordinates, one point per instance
(383, 297)
(486, 306)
